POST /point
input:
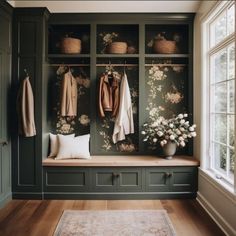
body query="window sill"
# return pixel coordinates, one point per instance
(224, 188)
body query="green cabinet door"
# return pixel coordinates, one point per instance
(129, 179)
(5, 106)
(171, 179)
(157, 179)
(66, 179)
(117, 179)
(183, 179)
(103, 180)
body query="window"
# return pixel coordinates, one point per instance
(220, 67)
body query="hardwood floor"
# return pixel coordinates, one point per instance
(39, 218)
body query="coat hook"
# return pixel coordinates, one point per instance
(27, 74)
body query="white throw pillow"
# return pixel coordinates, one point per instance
(77, 147)
(54, 143)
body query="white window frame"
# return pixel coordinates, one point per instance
(207, 50)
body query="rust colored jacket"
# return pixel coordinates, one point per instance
(109, 94)
(69, 95)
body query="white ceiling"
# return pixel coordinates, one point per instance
(111, 6)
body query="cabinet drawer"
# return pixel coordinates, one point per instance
(66, 179)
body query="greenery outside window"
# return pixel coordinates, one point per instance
(220, 51)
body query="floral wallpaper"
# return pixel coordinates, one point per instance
(105, 125)
(166, 89)
(81, 123)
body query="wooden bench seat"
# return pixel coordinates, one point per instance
(124, 161)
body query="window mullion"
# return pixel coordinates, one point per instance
(223, 44)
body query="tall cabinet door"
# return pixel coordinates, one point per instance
(28, 53)
(5, 80)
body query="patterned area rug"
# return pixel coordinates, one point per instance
(115, 223)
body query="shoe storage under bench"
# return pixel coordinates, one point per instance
(119, 177)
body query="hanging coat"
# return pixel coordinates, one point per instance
(108, 95)
(25, 102)
(124, 123)
(68, 95)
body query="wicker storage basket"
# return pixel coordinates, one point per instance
(164, 46)
(70, 45)
(118, 47)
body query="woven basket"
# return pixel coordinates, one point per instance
(118, 47)
(70, 45)
(164, 46)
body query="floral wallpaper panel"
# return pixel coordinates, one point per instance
(166, 90)
(105, 125)
(81, 123)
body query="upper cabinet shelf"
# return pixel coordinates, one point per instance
(117, 39)
(69, 40)
(117, 55)
(71, 55)
(167, 55)
(166, 39)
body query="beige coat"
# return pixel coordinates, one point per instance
(69, 95)
(26, 109)
(124, 123)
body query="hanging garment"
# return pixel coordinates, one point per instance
(25, 103)
(124, 123)
(109, 94)
(68, 95)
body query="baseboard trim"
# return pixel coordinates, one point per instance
(215, 215)
(116, 196)
(5, 200)
(27, 195)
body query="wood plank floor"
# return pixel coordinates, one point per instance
(39, 218)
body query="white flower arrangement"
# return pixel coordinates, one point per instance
(162, 130)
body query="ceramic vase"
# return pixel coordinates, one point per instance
(169, 150)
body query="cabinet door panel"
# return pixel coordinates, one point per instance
(184, 179)
(130, 179)
(156, 179)
(103, 179)
(5, 107)
(66, 179)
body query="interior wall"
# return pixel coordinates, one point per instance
(219, 203)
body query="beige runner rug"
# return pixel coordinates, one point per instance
(115, 223)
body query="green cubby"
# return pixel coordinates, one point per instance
(176, 89)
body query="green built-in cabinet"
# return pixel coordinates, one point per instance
(29, 30)
(120, 182)
(37, 36)
(5, 107)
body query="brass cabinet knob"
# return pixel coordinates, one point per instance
(168, 175)
(3, 143)
(115, 175)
